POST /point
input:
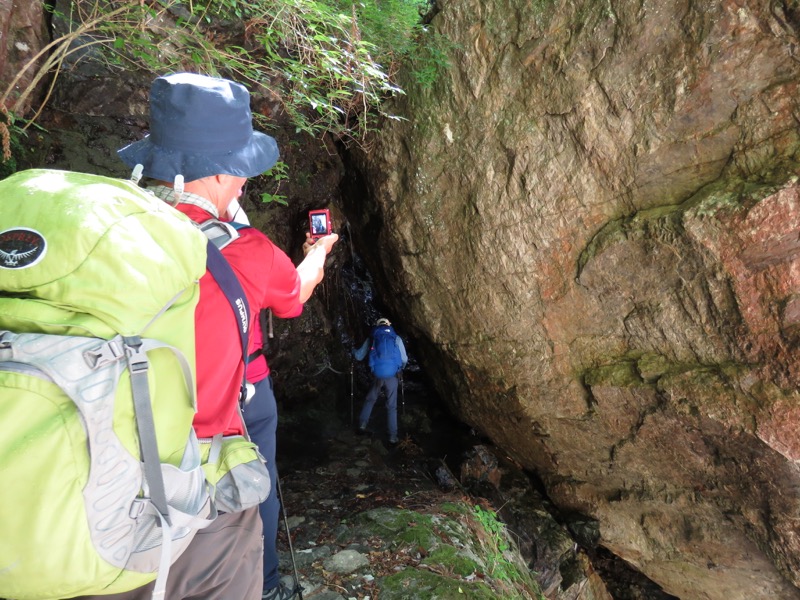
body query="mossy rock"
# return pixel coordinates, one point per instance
(455, 508)
(453, 560)
(397, 525)
(622, 374)
(450, 553)
(405, 527)
(418, 584)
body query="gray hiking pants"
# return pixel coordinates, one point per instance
(390, 384)
(223, 562)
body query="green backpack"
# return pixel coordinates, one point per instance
(103, 486)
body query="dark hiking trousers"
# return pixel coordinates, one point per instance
(261, 419)
(222, 562)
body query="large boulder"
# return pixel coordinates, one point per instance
(591, 223)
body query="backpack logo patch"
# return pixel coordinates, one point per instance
(21, 248)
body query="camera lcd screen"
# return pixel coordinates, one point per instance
(319, 224)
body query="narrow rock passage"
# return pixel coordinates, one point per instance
(321, 500)
(372, 521)
(330, 475)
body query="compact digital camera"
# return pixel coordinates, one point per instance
(319, 223)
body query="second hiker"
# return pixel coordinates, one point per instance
(387, 358)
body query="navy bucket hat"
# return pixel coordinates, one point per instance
(200, 126)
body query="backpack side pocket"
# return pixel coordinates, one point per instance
(236, 471)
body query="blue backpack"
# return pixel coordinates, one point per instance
(384, 355)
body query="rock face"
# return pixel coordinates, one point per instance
(22, 35)
(591, 224)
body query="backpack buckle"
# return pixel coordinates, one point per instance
(107, 353)
(137, 509)
(5, 340)
(137, 357)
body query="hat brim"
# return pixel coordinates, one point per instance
(164, 164)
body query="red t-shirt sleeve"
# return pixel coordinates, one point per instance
(284, 300)
(268, 276)
(270, 280)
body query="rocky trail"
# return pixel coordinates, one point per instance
(370, 520)
(441, 515)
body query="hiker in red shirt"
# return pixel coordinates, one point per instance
(261, 419)
(201, 133)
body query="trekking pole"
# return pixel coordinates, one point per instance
(298, 589)
(352, 421)
(402, 394)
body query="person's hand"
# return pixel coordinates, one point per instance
(312, 268)
(326, 242)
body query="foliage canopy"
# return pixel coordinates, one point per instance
(330, 64)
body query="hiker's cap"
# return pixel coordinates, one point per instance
(382, 321)
(200, 126)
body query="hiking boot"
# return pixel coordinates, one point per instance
(362, 430)
(393, 440)
(279, 592)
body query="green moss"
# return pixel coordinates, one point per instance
(452, 561)
(404, 526)
(704, 379)
(419, 534)
(714, 389)
(621, 374)
(724, 196)
(652, 223)
(455, 509)
(390, 519)
(655, 370)
(729, 196)
(454, 546)
(415, 584)
(652, 366)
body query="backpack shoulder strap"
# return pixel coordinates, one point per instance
(223, 274)
(220, 234)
